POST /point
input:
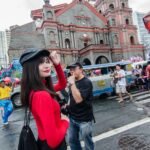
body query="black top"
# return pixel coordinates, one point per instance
(82, 111)
(42, 145)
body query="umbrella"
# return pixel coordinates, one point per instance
(7, 79)
(17, 80)
(97, 72)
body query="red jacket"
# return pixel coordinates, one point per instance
(46, 112)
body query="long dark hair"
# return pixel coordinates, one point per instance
(31, 80)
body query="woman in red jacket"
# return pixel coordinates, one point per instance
(38, 93)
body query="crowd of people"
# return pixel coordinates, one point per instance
(142, 76)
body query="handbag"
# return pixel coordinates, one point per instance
(27, 140)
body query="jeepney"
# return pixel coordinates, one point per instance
(102, 84)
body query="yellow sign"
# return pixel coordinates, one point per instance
(129, 67)
(101, 83)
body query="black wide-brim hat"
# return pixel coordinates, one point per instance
(31, 53)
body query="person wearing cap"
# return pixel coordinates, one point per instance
(39, 94)
(6, 105)
(80, 108)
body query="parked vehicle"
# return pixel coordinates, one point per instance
(102, 83)
(15, 97)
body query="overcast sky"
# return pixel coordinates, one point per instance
(14, 12)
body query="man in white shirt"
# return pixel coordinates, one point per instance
(121, 83)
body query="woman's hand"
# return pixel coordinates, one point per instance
(64, 117)
(55, 58)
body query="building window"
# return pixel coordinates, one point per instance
(132, 41)
(80, 1)
(83, 22)
(108, 22)
(49, 15)
(123, 5)
(102, 60)
(63, 57)
(100, 11)
(101, 42)
(86, 61)
(113, 22)
(116, 41)
(127, 21)
(85, 44)
(52, 36)
(111, 7)
(67, 44)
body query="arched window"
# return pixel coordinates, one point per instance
(67, 44)
(108, 22)
(123, 5)
(111, 7)
(80, 1)
(49, 15)
(115, 39)
(101, 42)
(102, 60)
(87, 61)
(52, 36)
(85, 44)
(100, 11)
(113, 22)
(127, 21)
(132, 41)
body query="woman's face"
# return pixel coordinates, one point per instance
(45, 67)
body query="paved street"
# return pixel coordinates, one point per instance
(118, 127)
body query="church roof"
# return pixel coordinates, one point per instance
(88, 5)
(62, 8)
(38, 12)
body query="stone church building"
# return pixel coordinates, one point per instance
(80, 32)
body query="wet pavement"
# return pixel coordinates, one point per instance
(135, 139)
(110, 116)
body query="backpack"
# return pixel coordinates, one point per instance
(27, 140)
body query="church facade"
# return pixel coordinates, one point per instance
(80, 32)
